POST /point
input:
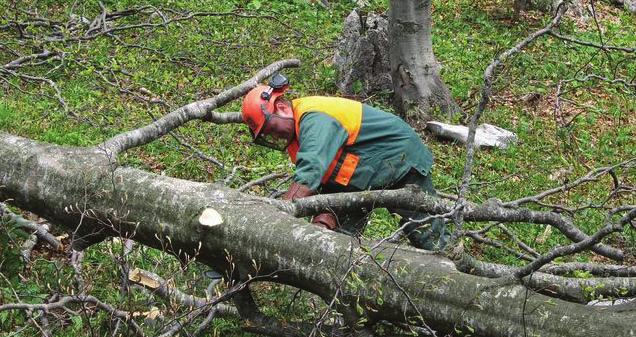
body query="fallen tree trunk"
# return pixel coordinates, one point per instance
(83, 190)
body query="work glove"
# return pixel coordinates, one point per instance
(326, 220)
(297, 190)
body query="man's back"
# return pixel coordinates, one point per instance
(387, 147)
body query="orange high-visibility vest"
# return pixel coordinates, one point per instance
(348, 113)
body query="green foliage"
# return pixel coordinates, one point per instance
(382, 225)
(5, 116)
(9, 253)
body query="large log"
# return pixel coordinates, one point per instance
(86, 192)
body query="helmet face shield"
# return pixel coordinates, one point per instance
(271, 141)
(277, 132)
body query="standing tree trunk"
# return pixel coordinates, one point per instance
(414, 69)
(520, 6)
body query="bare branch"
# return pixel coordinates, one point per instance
(197, 110)
(261, 181)
(107, 29)
(196, 151)
(627, 84)
(570, 288)
(589, 177)
(27, 248)
(51, 83)
(40, 231)
(576, 247)
(418, 200)
(519, 243)
(222, 117)
(498, 244)
(79, 299)
(76, 261)
(603, 270)
(592, 44)
(20, 61)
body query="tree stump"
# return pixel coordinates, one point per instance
(362, 59)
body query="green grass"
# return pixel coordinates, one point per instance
(201, 57)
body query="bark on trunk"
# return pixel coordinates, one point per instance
(629, 5)
(81, 188)
(362, 58)
(414, 69)
(520, 6)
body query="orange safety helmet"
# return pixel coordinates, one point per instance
(257, 104)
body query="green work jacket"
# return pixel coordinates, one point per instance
(387, 148)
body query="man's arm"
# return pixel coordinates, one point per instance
(321, 136)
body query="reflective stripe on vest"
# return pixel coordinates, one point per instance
(348, 113)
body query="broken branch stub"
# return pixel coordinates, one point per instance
(210, 218)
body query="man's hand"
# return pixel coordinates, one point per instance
(326, 220)
(297, 190)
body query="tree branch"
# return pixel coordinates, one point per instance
(79, 299)
(418, 200)
(575, 247)
(570, 288)
(40, 231)
(591, 176)
(197, 110)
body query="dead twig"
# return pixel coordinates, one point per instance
(77, 299)
(261, 181)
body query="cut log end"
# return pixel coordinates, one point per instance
(144, 278)
(210, 218)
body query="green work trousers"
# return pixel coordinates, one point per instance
(433, 236)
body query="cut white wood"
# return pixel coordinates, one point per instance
(210, 218)
(486, 135)
(144, 278)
